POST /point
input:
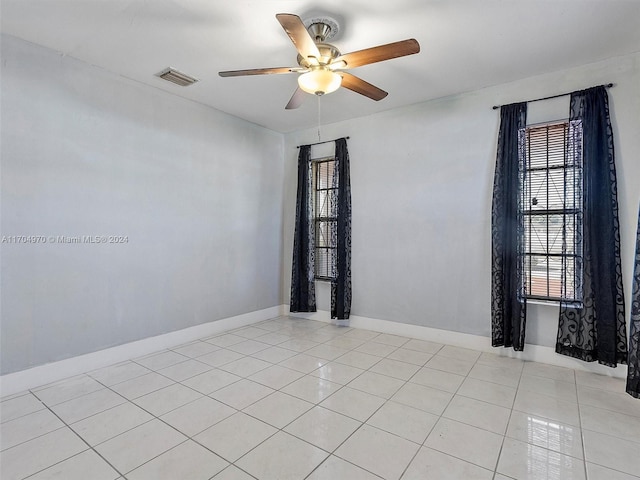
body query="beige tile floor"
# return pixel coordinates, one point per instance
(299, 399)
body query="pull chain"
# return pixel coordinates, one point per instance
(318, 117)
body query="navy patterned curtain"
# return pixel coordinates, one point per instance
(303, 287)
(633, 375)
(594, 328)
(508, 302)
(341, 284)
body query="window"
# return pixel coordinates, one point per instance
(551, 205)
(325, 215)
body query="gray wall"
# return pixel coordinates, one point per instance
(85, 152)
(207, 202)
(421, 180)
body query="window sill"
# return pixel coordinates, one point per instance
(548, 303)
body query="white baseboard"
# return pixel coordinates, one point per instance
(533, 353)
(41, 375)
(51, 372)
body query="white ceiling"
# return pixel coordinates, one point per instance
(466, 45)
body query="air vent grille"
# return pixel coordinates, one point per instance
(174, 76)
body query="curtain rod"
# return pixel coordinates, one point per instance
(320, 143)
(495, 107)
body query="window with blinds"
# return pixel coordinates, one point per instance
(325, 190)
(551, 205)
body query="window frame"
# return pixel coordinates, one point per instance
(570, 277)
(331, 221)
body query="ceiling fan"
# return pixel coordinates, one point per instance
(321, 64)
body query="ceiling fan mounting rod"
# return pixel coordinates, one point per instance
(319, 31)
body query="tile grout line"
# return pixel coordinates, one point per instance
(314, 404)
(154, 417)
(278, 429)
(237, 411)
(246, 355)
(80, 437)
(188, 437)
(380, 407)
(504, 437)
(441, 416)
(584, 453)
(318, 405)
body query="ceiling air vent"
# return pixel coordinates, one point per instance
(174, 76)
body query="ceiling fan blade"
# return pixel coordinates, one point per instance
(358, 85)
(259, 71)
(296, 99)
(298, 34)
(379, 53)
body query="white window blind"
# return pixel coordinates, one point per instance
(325, 217)
(551, 205)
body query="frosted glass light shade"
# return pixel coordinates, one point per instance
(319, 82)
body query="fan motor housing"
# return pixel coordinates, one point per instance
(328, 53)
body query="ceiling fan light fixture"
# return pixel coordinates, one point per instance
(320, 60)
(319, 82)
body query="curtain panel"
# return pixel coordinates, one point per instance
(303, 288)
(508, 302)
(341, 284)
(594, 328)
(633, 374)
